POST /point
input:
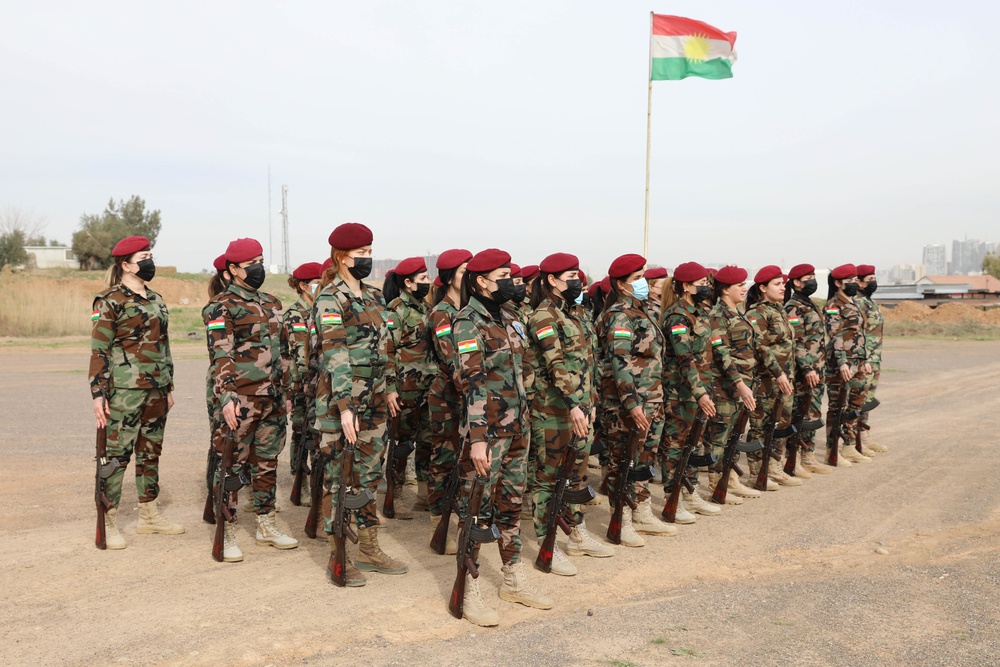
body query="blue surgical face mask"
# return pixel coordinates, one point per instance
(579, 299)
(313, 287)
(640, 289)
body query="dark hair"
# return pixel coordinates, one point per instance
(789, 289)
(613, 296)
(831, 286)
(754, 295)
(597, 303)
(717, 289)
(670, 294)
(541, 289)
(218, 283)
(446, 276)
(393, 285)
(469, 287)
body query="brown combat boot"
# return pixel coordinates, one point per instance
(517, 588)
(353, 575)
(809, 462)
(151, 521)
(113, 538)
(371, 558)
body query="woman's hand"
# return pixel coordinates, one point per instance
(746, 396)
(349, 423)
(868, 368)
(393, 401)
(845, 373)
(639, 418)
(170, 401)
(784, 385)
(481, 458)
(101, 411)
(812, 379)
(229, 415)
(581, 424)
(707, 405)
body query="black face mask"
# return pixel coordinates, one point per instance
(147, 269)
(421, 290)
(362, 267)
(703, 293)
(587, 301)
(851, 289)
(573, 289)
(808, 287)
(870, 287)
(520, 292)
(505, 291)
(255, 276)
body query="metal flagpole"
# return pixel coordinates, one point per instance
(649, 117)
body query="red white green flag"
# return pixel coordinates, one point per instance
(681, 47)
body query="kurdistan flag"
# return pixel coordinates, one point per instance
(681, 47)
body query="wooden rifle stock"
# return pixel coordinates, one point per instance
(554, 518)
(730, 456)
(342, 515)
(467, 547)
(439, 540)
(301, 466)
(679, 474)
(223, 513)
(104, 470)
(208, 514)
(837, 425)
(620, 494)
(765, 458)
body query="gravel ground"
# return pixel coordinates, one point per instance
(790, 578)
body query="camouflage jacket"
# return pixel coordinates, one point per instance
(810, 334)
(129, 348)
(490, 357)
(652, 305)
(565, 375)
(296, 323)
(411, 366)
(874, 323)
(687, 355)
(439, 323)
(248, 348)
(776, 336)
(521, 312)
(632, 354)
(734, 348)
(353, 338)
(845, 326)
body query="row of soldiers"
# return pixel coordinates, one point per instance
(503, 381)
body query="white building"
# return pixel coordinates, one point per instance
(935, 260)
(51, 257)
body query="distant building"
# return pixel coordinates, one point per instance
(906, 273)
(967, 256)
(51, 257)
(935, 260)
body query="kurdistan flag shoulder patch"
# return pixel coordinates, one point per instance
(298, 328)
(716, 341)
(678, 330)
(442, 330)
(833, 311)
(622, 333)
(794, 320)
(214, 325)
(94, 316)
(331, 319)
(467, 346)
(545, 332)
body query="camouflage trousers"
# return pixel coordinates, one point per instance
(259, 436)
(680, 417)
(808, 402)
(872, 385)
(301, 414)
(557, 430)
(444, 416)
(617, 428)
(536, 449)
(136, 423)
(212, 405)
(767, 393)
(720, 427)
(369, 450)
(503, 494)
(415, 427)
(855, 399)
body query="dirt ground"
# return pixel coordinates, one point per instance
(792, 578)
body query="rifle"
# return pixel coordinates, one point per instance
(439, 540)
(315, 492)
(471, 536)
(837, 425)
(732, 453)
(679, 478)
(105, 469)
(867, 407)
(769, 435)
(626, 474)
(226, 485)
(343, 513)
(301, 466)
(561, 499)
(396, 454)
(208, 514)
(795, 443)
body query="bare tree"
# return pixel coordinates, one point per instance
(16, 219)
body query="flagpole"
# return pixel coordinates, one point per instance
(649, 117)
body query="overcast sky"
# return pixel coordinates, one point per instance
(852, 131)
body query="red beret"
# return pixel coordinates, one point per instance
(410, 265)
(437, 281)
(690, 272)
(327, 263)
(308, 271)
(220, 262)
(583, 278)
(711, 272)
(349, 236)
(593, 288)
(530, 271)
(452, 259)
(865, 270)
(730, 275)
(767, 274)
(656, 273)
(605, 285)
(625, 265)
(800, 270)
(844, 271)
(559, 262)
(488, 260)
(515, 271)
(130, 245)
(243, 250)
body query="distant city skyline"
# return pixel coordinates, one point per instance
(966, 259)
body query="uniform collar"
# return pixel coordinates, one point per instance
(413, 301)
(239, 290)
(129, 292)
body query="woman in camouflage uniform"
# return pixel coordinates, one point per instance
(631, 388)
(764, 306)
(443, 399)
(846, 357)
(353, 332)
(131, 382)
(874, 323)
(490, 347)
(216, 286)
(297, 319)
(687, 376)
(411, 367)
(565, 399)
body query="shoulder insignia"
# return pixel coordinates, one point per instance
(466, 346)
(833, 311)
(678, 329)
(794, 320)
(216, 324)
(519, 329)
(298, 328)
(716, 341)
(622, 333)
(442, 330)
(545, 332)
(331, 319)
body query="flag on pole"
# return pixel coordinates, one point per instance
(681, 47)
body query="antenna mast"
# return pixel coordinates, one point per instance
(286, 267)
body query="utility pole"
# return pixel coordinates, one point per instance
(270, 233)
(286, 268)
